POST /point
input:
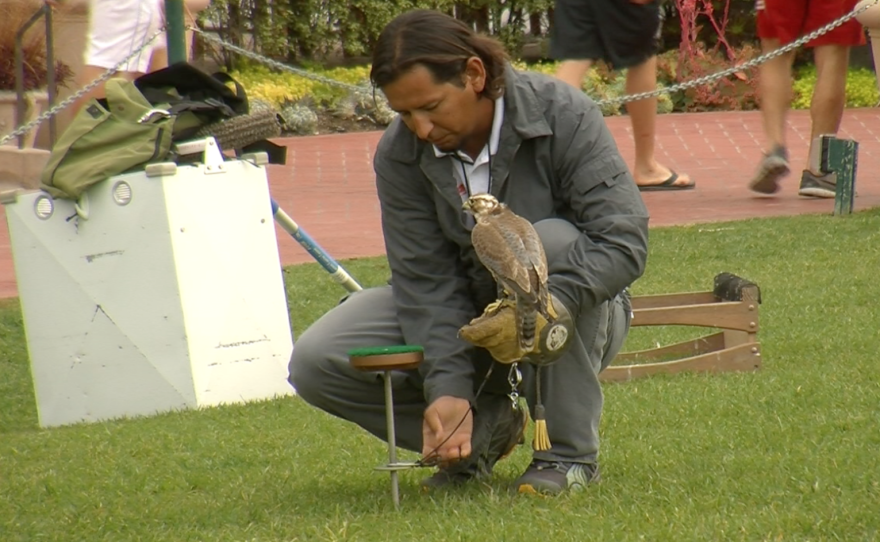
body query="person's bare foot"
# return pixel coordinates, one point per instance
(662, 178)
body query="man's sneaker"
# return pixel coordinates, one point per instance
(773, 167)
(498, 429)
(554, 477)
(818, 186)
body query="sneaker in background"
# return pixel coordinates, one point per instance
(773, 167)
(818, 186)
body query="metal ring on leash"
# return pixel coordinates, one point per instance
(150, 115)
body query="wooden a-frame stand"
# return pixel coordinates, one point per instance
(732, 307)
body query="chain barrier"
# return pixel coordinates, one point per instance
(699, 81)
(278, 65)
(23, 129)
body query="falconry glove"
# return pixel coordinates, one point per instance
(496, 331)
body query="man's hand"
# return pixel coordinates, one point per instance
(495, 330)
(440, 421)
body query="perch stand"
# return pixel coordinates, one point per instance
(400, 358)
(732, 307)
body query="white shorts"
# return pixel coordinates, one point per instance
(118, 28)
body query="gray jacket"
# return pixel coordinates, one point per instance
(556, 158)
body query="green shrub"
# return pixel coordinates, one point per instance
(283, 88)
(600, 83)
(296, 97)
(293, 94)
(861, 88)
(300, 119)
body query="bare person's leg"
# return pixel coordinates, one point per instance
(829, 94)
(89, 74)
(159, 59)
(573, 72)
(775, 88)
(774, 85)
(826, 112)
(643, 116)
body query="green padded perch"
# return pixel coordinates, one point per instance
(386, 358)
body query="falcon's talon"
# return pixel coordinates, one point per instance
(494, 307)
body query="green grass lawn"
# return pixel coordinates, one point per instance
(786, 453)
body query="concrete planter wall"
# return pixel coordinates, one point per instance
(37, 103)
(20, 168)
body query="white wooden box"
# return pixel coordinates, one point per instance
(166, 293)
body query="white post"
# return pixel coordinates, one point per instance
(870, 19)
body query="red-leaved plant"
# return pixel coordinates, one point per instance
(695, 59)
(15, 15)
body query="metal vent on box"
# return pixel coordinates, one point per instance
(122, 193)
(43, 207)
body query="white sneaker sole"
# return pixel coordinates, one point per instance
(816, 192)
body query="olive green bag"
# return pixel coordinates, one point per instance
(106, 140)
(137, 123)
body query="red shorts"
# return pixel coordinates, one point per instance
(787, 20)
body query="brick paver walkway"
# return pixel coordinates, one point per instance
(328, 185)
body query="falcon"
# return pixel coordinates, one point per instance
(511, 250)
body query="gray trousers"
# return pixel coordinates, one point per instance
(321, 374)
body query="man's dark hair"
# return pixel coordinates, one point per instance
(441, 44)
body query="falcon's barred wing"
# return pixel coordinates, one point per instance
(497, 248)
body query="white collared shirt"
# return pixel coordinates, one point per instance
(472, 176)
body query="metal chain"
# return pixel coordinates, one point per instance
(23, 129)
(705, 80)
(739, 67)
(278, 65)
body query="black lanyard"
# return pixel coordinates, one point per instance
(464, 175)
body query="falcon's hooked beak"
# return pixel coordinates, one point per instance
(467, 205)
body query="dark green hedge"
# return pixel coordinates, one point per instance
(298, 31)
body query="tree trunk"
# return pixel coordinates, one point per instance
(535, 29)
